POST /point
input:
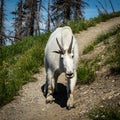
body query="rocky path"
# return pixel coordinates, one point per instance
(30, 104)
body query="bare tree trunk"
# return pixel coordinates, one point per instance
(48, 22)
(112, 6)
(98, 9)
(18, 21)
(105, 9)
(38, 17)
(2, 41)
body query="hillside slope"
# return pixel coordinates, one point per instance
(30, 104)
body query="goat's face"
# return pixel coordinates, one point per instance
(67, 60)
(66, 57)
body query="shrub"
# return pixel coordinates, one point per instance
(85, 75)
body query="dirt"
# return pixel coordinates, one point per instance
(30, 103)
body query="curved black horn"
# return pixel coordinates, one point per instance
(62, 50)
(70, 47)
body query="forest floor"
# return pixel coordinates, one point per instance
(30, 103)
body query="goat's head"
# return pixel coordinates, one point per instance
(66, 57)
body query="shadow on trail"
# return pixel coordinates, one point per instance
(60, 96)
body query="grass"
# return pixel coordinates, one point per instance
(105, 113)
(87, 68)
(102, 38)
(79, 25)
(114, 51)
(88, 49)
(17, 66)
(85, 75)
(109, 111)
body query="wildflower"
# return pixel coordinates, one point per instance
(5, 64)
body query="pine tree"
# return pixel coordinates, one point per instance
(19, 19)
(37, 18)
(64, 10)
(48, 16)
(30, 7)
(78, 8)
(27, 16)
(2, 33)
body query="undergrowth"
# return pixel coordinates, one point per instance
(18, 63)
(112, 60)
(87, 67)
(105, 113)
(85, 74)
(102, 38)
(109, 109)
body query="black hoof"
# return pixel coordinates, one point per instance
(71, 107)
(49, 101)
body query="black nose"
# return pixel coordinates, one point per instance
(70, 74)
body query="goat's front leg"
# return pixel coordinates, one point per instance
(70, 89)
(50, 85)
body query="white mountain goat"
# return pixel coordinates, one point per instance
(61, 55)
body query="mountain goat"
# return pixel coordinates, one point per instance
(61, 55)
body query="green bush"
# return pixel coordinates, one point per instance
(85, 75)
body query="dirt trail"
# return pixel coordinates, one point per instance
(30, 104)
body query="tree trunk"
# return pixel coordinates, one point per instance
(2, 34)
(112, 6)
(48, 22)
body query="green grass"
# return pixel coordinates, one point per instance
(114, 51)
(111, 109)
(105, 113)
(102, 38)
(79, 25)
(85, 74)
(88, 49)
(87, 68)
(19, 64)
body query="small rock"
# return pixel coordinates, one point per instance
(113, 81)
(36, 99)
(119, 103)
(110, 97)
(85, 92)
(117, 94)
